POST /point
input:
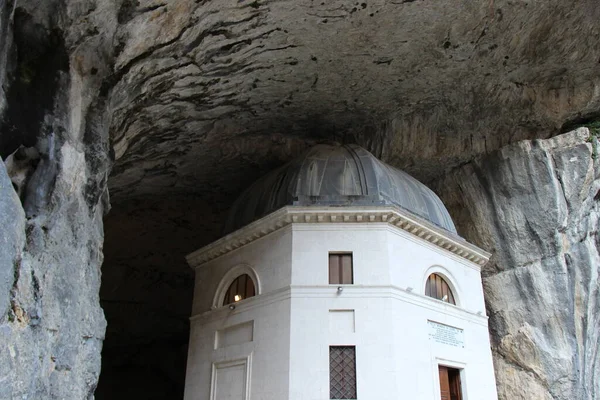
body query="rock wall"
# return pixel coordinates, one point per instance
(53, 329)
(12, 240)
(6, 13)
(535, 205)
(204, 96)
(51, 323)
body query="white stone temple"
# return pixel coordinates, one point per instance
(341, 278)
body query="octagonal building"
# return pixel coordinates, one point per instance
(340, 277)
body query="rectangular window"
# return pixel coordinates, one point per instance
(450, 386)
(342, 372)
(340, 269)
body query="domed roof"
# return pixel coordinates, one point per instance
(334, 175)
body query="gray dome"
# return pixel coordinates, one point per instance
(327, 175)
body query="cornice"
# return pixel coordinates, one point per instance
(393, 216)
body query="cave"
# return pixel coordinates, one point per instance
(128, 128)
(146, 295)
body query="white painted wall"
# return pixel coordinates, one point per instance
(293, 325)
(268, 352)
(270, 257)
(313, 242)
(412, 260)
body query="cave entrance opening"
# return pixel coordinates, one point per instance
(146, 294)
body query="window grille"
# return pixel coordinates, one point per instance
(438, 288)
(342, 372)
(241, 288)
(340, 269)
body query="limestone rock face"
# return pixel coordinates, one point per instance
(193, 100)
(53, 332)
(51, 237)
(536, 206)
(12, 239)
(225, 87)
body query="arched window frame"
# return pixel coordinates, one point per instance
(450, 280)
(231, 276)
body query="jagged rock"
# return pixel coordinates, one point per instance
(12, 240)
(20, 165)
(53, 337)
(535, 204)
(53, 334)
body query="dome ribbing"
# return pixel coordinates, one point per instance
(330, 175)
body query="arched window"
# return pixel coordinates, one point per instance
(438, 288)
(241, 288)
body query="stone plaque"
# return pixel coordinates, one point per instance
(446, 334)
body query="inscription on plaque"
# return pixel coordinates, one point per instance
(446, 334)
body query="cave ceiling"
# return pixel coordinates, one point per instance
(208, 95)
(205, 96)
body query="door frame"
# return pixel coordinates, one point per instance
(462, 367)
(245, 361)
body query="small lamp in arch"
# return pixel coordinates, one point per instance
(241, 288)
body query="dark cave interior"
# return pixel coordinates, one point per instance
(146, 293)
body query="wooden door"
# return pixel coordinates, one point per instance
(444, 383)
(450, 387)
(454, 380)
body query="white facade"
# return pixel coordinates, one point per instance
(275, 346)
